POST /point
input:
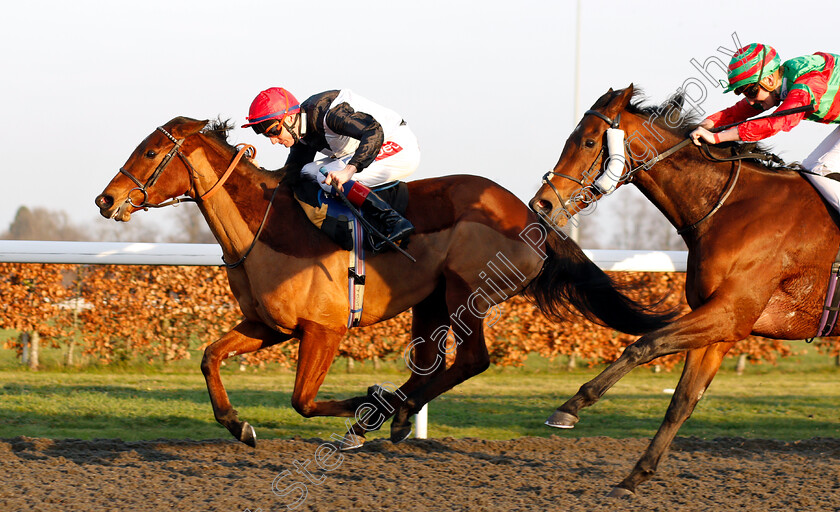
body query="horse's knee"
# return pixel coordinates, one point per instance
(681, 407)
(638, 353)
(208, 364)
(303, 407)
(481, 366)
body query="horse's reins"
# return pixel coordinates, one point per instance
(176, 150)
(645, 166)
(704, 148)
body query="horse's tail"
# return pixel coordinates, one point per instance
(570, 281)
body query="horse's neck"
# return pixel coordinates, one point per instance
(234, 211)
(682, 187)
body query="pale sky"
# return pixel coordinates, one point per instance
(487, 86)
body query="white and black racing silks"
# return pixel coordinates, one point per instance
(329, 125)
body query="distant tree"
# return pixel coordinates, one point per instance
(589, 234)
(42, 224)
(139, 229)
(189, 226)
(636, 224)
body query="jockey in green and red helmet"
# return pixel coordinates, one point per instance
(757, 72)
(354, 133)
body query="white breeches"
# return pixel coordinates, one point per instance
(825, 158)
(398, 158)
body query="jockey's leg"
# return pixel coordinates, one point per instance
(398, 158)
(394, 226)
(825, 158)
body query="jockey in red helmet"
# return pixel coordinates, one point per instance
(365, 145)
(757, 72)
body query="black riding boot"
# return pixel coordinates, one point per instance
(393, 225)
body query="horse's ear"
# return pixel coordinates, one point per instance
(620, 100)
(604, 100)
(678, 99)
(183, 127)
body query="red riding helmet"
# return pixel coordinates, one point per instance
(273, 103)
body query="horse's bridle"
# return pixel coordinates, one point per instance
(176, 150)
(644, 166)
(613, 124)
(143, 187)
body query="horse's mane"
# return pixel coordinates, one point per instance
(217, 129)
(688, 120)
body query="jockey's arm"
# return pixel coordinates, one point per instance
(343, 120)
(299, 155)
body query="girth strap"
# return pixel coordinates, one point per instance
(831, 309)
(356, 274)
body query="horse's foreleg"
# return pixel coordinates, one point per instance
(318, 347)
(701, 366)
(710, 323)
(244, 338)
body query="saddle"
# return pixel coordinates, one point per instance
(335, 220)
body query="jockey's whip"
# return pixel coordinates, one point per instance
(364, 221)
(781, 113)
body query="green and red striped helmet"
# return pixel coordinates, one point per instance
(273, 103)
(750, 64)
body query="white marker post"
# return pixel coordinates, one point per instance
(422, 423)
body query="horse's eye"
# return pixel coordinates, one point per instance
(151, 153)
(589, 143)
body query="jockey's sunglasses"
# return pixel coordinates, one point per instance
(750, 91)
(273, 130)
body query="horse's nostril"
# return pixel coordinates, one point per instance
(104, 202)
(540, 205)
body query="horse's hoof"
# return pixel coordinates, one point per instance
(351, 442)
(562, 419)
(400, 433)
(248, 435)
(621, 492)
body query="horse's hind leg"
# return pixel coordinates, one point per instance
(701, 366)
(708, 324)
(471, 358)
(428, 358)
(244, 338)
(428, 317)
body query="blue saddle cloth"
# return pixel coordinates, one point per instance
(337, 222)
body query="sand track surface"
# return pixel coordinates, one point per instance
(437, 474)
